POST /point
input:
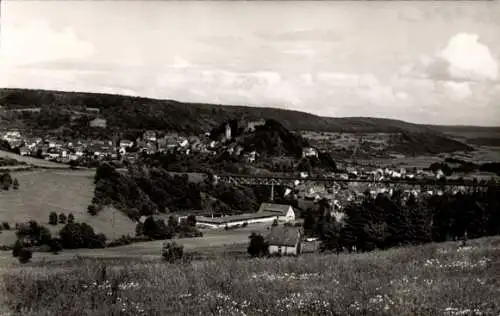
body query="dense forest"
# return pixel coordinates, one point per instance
(146, 190)
(388, 221)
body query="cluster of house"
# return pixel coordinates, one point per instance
(149, 142)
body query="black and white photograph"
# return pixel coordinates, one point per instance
(249, 157)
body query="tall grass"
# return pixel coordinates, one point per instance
(436, 279)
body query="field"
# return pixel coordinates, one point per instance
(44, 191)
(33, 161)
(435, 279)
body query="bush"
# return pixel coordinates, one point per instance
(71, 218)
(16, 248)
(62, 218)
(55, 246)
(172, 252)
(258, 246)
(92, 209)
(81, 235)
(25, 255)
(15, 184)
(5, 226)
(53, 218)
(122, 241)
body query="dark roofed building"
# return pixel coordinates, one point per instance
(285, 240)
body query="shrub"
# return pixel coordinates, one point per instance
(5, 226)
(71, 218)
(62, 218)
(92, 209)
(81, 235)
(258, 246)
(275, 223)
(25, 255)
(53, 218)
(139, 229)
(245, 224)
(172, 252)
(16, 248)
(15, 184)
(55, 246)
(122, 241)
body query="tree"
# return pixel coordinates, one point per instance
(16, 248)
(92, 209)
(275, 223)
(81, 235)
(191, 220)
(139, 229)
(25, 255)
(71, 218)
(258, 246)
(172, 252)
(53, 218)
(15, 184)
(62, 218)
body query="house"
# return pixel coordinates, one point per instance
(126, 143)
(285, 240)
(149, 136)
(98, 122)
(309, 152)
(283, 212)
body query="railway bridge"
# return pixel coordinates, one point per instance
(290, 181)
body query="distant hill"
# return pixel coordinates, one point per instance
(125, 112)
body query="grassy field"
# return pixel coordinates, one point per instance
(435, 279)
(44, 191)
(33, 161)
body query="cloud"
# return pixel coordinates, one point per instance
(463, 59)
(20, 42)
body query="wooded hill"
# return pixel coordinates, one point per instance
(126, 112)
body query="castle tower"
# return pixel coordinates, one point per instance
(228, 132)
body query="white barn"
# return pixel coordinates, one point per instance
(284, 213)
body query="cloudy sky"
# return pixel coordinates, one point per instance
(424, 62)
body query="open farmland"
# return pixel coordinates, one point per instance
(44, 191)
(435, 279)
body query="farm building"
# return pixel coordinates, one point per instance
(235, 220)
(98, 122)
(283, 212)
(285, 240)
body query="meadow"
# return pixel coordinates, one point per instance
(62, 191)
(434, 279)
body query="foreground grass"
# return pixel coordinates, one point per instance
(436, 279)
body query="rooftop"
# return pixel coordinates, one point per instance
(274, 208)
(234, 218)
(284, 235)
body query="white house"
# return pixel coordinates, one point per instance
(309, 152)
(285, 240)
(284, 213)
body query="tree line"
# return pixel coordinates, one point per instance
(387, 221)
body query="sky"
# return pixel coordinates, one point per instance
(433, 62)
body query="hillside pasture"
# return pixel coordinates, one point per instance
(435, 279)
(44, 191)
